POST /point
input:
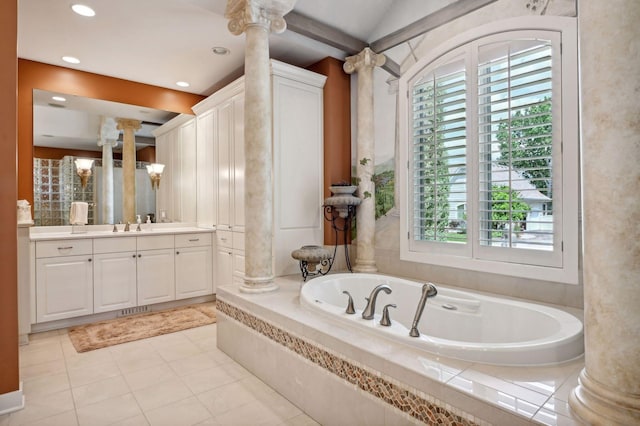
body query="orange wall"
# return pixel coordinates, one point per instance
(337, 129)
(59, 153)
(9, 379)
(36, 75)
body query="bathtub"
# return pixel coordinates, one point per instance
(456, 324)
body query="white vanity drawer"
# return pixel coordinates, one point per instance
(151, 242)
(193, 240)
(63, 248)
(112, 245)
(224, 239)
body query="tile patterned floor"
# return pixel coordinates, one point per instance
(177, 379)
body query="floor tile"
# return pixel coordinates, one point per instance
(138, 358)
(68, 418)
(193, 364)
(140, 379)
(108, 411)
(84, 375)
(162, 394)
(41, 407)
(253, 413)
(99, 391)
(139, 420)
(49, 368)
(203, 381)
(45, 354)
(301, 420)
(46, 385)
(179, 350)
(186, 412)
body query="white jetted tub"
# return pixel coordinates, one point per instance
(454, 323)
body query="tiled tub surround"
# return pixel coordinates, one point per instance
(361, 378)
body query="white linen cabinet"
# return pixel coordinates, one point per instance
(297, 168)
(176, 148)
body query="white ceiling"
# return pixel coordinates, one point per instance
(160, 42)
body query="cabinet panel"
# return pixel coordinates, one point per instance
(113, 245)
(225, 165)
(188, 178)
(155, 273)
(151, 242)
(114, 281)
(193, 240)
(224, 266)
(224, 239)
(193, 272)
(64, 287)
(237, 222)
(63, 248)
(206, 142)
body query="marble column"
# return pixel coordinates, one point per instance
(257, 18)
(108, 140)
(363, 63)
(608, 392)
(128, 168)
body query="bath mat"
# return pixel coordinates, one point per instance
(127, 329)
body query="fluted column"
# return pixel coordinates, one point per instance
(129, 127)
(108, 140)
(363, 63)
(257, 18)
(609, 387)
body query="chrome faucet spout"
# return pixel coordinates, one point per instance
(370, 309)
(428, 290)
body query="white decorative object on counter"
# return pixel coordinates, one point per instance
(24, 213)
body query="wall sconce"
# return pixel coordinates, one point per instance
(155, 173)
(83, 168)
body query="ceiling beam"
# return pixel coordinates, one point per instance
(323, 33)
(434, 20)
(333, 37)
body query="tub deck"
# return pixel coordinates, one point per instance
(477, 393)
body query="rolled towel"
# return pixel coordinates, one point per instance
(79, 213)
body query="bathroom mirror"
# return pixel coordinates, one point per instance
(67, 127)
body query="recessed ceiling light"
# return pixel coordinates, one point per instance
(182, 84)
(83, 10)
(219, 50)
(58, 98)
(71, 59)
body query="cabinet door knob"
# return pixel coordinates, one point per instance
(139, 255)
(134, 256)
(177, 252)
(90, 259)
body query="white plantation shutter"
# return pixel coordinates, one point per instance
(515, 136)
(439, 151)
(489, 186)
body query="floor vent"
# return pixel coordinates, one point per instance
(133, 311)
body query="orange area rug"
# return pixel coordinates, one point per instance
(101, 334)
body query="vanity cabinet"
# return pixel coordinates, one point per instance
(230, 257)
(193, 263)
(84, 276)
(114, 274)
(155, 269)
(64, 279)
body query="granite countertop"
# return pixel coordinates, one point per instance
(43, 233)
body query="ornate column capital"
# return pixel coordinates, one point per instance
(265, 13)
(366, 58)
(129, 123)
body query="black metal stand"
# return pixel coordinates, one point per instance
(304, 268)
(341, 223)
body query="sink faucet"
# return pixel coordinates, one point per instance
(126, 227)
(370, 309)
(428, 290)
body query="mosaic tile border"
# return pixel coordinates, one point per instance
(407, 400)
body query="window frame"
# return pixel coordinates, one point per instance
(563, 266)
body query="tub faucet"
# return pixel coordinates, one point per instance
(428, 290)
(370, 309)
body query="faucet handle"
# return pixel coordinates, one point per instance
(350, 309)
(115, 228)
(386, 321)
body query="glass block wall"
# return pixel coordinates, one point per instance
(55, 186)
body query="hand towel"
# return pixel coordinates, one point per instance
(79, 212)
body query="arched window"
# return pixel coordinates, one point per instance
(491, 125)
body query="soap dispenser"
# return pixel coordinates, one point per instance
(138, 221)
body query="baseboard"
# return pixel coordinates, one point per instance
(11, 401)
